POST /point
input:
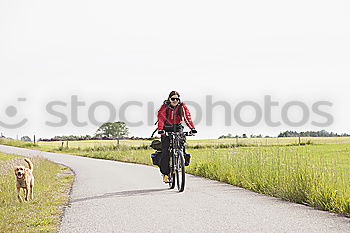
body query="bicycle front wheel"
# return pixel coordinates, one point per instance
(172, 173)
(180, 172)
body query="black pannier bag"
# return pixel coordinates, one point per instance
(156, 157)
(187, 159)
(157, 145)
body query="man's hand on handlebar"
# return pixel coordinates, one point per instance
(193, 131)
(161, 131)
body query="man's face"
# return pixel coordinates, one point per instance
(174, 100)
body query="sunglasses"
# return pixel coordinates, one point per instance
(173, 99)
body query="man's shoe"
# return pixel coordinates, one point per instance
(166, 179)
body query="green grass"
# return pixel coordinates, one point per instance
(316, 174)
(4, 156)
(52, 184)
(18, 143)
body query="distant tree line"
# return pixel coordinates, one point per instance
(107, 131)
(242, 136)
(322, 133)
(289, 133)
(88, 137)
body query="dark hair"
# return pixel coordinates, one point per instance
(173, 93)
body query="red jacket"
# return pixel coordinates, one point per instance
(173, 117)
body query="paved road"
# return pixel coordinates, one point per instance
(109, 196)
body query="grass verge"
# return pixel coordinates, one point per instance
(51, 192)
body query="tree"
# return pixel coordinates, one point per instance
(113, 130)
(26, 139)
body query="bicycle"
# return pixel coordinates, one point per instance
(177, 160)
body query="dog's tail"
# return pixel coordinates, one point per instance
(30, 164)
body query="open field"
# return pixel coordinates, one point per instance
(52, 185)
(315, 174)
(274, 141)
(204, 143)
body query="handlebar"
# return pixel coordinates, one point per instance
(185, 133)
(189, 134)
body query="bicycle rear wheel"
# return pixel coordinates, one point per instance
(180, 172)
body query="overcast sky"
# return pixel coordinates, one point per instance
(119, 51)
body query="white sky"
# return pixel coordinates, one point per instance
(141, 50)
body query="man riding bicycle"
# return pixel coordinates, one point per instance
(169, 120)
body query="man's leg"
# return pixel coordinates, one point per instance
(164, 161)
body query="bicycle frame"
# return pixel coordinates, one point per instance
(177, 144)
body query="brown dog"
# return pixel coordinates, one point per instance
(25, 180)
